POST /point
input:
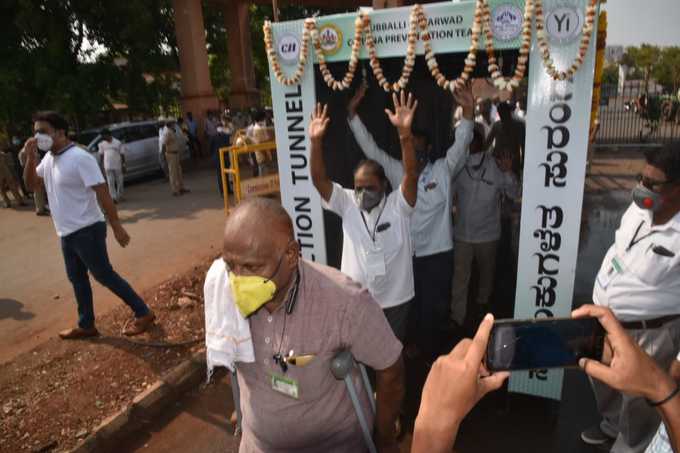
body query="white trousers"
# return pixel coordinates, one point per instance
(115, 181)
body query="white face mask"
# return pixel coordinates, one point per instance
(45, 142)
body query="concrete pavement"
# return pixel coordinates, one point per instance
(169, 235)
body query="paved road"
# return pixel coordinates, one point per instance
(168, 235)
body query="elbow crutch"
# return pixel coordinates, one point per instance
(341, 366)
(235, 393)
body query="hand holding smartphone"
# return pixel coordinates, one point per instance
(543, 343)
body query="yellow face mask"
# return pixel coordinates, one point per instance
(251, 292)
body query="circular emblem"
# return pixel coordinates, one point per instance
(564, 24)
(331, 39)
(288, 48)
(506, 22)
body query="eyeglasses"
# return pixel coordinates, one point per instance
(652, 184)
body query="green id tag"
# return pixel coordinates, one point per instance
(287, 386)
(617, 265)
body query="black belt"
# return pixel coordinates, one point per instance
(649, 323)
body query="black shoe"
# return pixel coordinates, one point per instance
(595, 436)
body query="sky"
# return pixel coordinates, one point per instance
(633, 22)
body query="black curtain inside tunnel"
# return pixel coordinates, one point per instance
(434, 116)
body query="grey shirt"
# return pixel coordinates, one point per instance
(478, 189)
(331, 313)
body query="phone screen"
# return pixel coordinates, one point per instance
(543, 343)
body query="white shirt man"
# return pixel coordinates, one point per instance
(374, 242)
(377, 248)
(112, 153)
(68, 177)
(431, 226)
(639, 280)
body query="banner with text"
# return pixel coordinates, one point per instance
(292, 108)
(558, 115)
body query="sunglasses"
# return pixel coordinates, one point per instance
(651, 184)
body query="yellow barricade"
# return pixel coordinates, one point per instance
(250, 187)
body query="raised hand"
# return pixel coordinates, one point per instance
(31, 147)
(466, 100)
(456, 382)
(319, 122)
(356, 99)
(404, 110)
(464, 96)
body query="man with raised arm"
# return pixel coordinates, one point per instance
(377, 249)
(431, 223)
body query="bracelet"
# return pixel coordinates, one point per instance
(665, 400)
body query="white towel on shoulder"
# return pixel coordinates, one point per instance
(227, 332)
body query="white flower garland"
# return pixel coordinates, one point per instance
(418, 22)
(274, 61)
(409, 60)
(494, 70)
(470, 61)
(542, 40)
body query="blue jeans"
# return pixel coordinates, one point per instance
(85, 250)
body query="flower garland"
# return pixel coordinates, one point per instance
(302, 57)
(542, 40)
(470, 61)
(409, 60)
(418, 22)
(498, 80)
(353, 59)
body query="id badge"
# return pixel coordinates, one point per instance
(615, 267)
(285, 385)
(375, 264)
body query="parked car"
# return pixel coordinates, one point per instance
(141, 141)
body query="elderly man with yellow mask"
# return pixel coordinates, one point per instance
(296, 308)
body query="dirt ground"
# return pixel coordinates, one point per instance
(56, 394)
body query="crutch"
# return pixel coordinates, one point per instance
(341, 366)
(236, 394)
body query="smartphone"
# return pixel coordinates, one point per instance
(543, 343)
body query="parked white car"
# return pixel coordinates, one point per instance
(141, 144)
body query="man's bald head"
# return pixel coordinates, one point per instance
(261, 217)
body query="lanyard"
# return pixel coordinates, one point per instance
(377, 221)
(635, 239)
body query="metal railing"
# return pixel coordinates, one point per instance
(627, 119)
(244, 187)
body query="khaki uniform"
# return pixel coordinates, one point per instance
(172, 155)
(39, 196)
(8, 181)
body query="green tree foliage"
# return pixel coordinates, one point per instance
(667, 71)
(643, 59)
(610, 75)
(47, 63)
